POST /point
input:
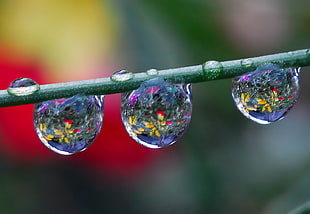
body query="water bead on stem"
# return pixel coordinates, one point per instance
(212, 69)
(246, 63)
(152, 72)
(23, 86)
(121, 76)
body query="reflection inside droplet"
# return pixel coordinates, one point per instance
(267, 94)
(158, 113)
(70, 125)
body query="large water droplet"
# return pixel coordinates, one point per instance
(267, 94)
(158, 113)
(212, 69)
(152, 72)
(121, 76)
(71, 125)
(22, 87)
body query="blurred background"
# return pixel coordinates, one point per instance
(224, 163)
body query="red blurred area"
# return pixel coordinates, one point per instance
(113, 151)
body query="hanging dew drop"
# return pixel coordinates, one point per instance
(22, 87)
(267, 94)
(212, 69)
(121, 76)
(247, 63)
(157, 114)
(152, 72)
(70, 125)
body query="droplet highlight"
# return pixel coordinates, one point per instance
(157, 113)
(121, 76)
(267, 94)
(23, 86)
(212, 69)
(70, 125)
(152, 72)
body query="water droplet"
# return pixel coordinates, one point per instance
(22, 87)
(70, 125)
(158, 113)
(308, 52)
(267, 94)
(152, 72)
(121, 76)
(212, 69)
(247, 63)
(291, 52)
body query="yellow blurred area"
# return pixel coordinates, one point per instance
(66, 36)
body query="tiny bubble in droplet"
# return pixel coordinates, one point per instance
(247, 63)
(23, 86)
(121, 76)
(212, 69)
(152, 72)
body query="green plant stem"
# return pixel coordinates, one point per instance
(303, 209)
(193, 74)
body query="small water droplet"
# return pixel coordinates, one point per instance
(70, 125)
(22, 87)
(290, 52)
(157, 114)
(152, 72)
(121, 76)
(212, 69)
(247, 63)
(266, 94)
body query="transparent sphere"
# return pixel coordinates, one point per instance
(121, 76)
(158, 113)
(70, 125)
(267, 94)
(22, 87)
